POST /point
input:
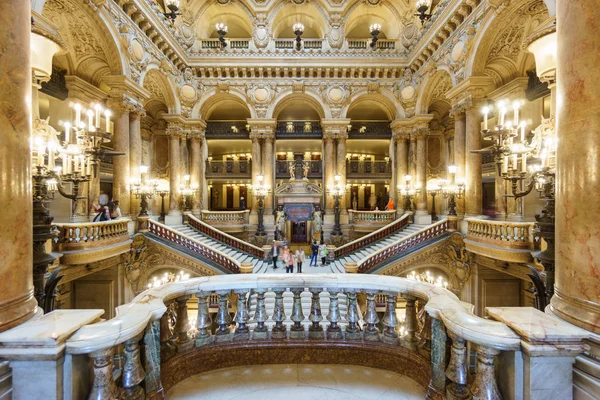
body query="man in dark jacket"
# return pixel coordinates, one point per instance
(314, 253)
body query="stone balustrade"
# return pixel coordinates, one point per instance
(397, 249)
(226, 218)
(506, 234)
(371, 217)
(89, 235)
(372, 237)
(203, 251)
(223, 237)
(175, 348)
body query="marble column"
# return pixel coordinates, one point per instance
(195, 163)
(135, 155)
(121, 171)
(401, 167)
(460, 133)
(329, 168)
(268, 163)
(256, 168)
(473, 191)
(17, 303)
(576, 297)
(204, 204)
(422, 215)
(412, 159)
(174, 171)
(341, 168)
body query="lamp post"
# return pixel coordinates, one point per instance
(337, 191)
(433, 189)
(375, 30)
(162, 192)
(222, 31)
(298, 31)
(261, 191)
(408, 192)
(143, 189)
(452, 190)
(188, 191)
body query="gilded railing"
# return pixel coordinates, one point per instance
(88, 235)
(217, 218)
(220, 168)
(368, 167)
(202, 250)
(403, 245)
(224, 238)
(371, 217)
(372, 237)
(505, 234)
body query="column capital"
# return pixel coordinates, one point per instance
(125, 93)
(470, 93)
(262, 128)
(335, 128)
(405, 128)
(175, 130)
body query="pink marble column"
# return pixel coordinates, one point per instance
(174, 171)
(135, 155)
(268, 168)
(577, 289)
(121, 163)
(17, 303)
(329, 169)
(473, 192)
(341, 168)
(421, 170)
(256, 167)
(460, 133)
(401, 167)
(195, 149)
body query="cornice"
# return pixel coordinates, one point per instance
(515, 89)
(83, 91)
(124, 86)
(470, 91)
(401, 127)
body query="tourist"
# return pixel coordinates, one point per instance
(103, 198)
(372, 201)
(103, 215)
(300, 256)
(115, 210)
(288, 260)
(275, 254)
(314, 253)
(390, 205)
(323, 254)
(242, 203)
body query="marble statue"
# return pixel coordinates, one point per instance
(305, 169)
(280, 221)
(317, 224)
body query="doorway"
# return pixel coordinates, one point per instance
(299, 231)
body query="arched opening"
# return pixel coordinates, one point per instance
(308, 14)
(233, 14)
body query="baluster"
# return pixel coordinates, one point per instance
(410, 323)
(203, 321)
(133, 373)
(315, 331)
(297, 330)
(352, 316)
(182, 325)
(333, 330)
(104, 387)
(167, 348)
(278, 331)
(370, 317)
(223, 318)
(241, 316)
(485, 386)
(457, 369)
(260, 316)
(390, 320)
(152, 384)
(438, 357)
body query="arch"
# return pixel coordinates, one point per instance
(161, 87)
(361, 15)
(434, 88)
(211, 99)
(311, 15)
(287, 96)
(236, 16)
(384, 99)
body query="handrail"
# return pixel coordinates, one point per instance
(221, 259)
(226, 217)
(371, 217)
(508, 234)
(404, 244)
(226, 239)
(372, 237)
(132, 318)
(85, 235)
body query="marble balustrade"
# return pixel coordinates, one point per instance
(217, 218)
(87, 235)
(506, 234)
(371, 217)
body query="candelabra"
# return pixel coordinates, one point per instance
(375, 30)
(298, 31)
(509, 143)
(337, 191)
(433, 189)
(261, 191)
(79, 154)
(168, 277)
(408, 192)
(188, 191)
(222, 31)
(427, 277)
(143, 189)
(452, 189)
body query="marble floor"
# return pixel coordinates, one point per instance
(297, 382)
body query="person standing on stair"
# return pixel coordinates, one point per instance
(323, 254)
(300, 256)
(287, 260)
(314, 253)
(275, 254)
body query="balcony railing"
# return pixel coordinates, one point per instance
(370, 130)
(158, 318)
(89, 235)
(299, 129)
(505, 234)
(397, 249)
(232, 43)
(282, 169)
(368, 169)
(371, 217)
(290, 44)
(226, 130)
(227, 169)
(382, 44)
(224, 238)
(216, 218)
(201, 250)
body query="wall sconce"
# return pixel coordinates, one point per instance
(298, 31)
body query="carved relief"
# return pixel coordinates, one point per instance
(260, 31)
(335, 32)
(260, 96)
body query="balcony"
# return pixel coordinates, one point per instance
(299, 130)
(508, 241)
(229, 169)
(282, 169)
(366, 169)
(382, 44)
(226, 130)
(369, 221)
(369, 130)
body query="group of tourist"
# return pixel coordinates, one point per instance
(106, 210)
(289, 258)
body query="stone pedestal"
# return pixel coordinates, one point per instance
(351, 267)
(246, 268)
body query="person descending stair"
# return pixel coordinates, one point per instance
(275, 254)
(323, 254)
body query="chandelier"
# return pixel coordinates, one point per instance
(222, 31)
(143, 189)
(375, 30)
(422, 7)
(188, 191)
(428, 278)
(298, 31)
(168, 277)
(261, 190)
